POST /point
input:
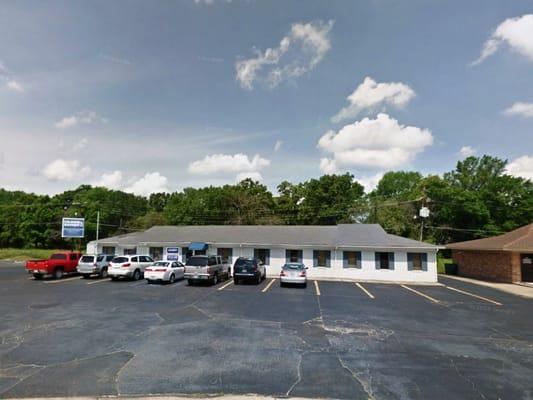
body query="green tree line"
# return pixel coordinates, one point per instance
(476, 199)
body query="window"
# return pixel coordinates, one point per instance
(226, 254)
(156, 253)
(109, 258)
(134, 259)
(58, 256)
(293, 256)
(212, 260)
(108, 250)
(417, 262)
(87, 259)
(384, 260)
(321, 258)
(73, 257)
(129, 252)
(145, 259)
(185, 254)
(100, 258)
(352, 259)
(263, 255)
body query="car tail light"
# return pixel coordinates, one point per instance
(148, 269)
(303, 273)
(160, 270)
(282, 273)
(127, 265)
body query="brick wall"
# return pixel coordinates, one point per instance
(497, 266)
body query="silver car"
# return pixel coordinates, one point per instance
(94, 265)
(293, 273)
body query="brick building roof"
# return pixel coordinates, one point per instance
(520, 239)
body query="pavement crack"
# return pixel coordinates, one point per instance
(466, 379)
(365, 384)
(299, 378)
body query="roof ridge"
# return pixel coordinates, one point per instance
(527, 231)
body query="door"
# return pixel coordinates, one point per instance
(527, 267)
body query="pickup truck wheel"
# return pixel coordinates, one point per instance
(38, 276)
(136, 275)
(58, 273)
(215, 279)
(103, 273)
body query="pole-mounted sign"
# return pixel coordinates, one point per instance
(73, 228)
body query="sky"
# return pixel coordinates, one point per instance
(149, 96)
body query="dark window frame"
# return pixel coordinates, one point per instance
(265, 258)
(326, 254)
(347, 255)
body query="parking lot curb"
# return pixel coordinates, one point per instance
(164, 397)
(348, 280)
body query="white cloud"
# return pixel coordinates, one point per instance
(467, 151)
(520, 109)
(83, 117)
(112, 180)
(255, 176)
(374, 143)
(228, 163)
(328, 166)
(370, 94)
(522, 167)
(65, 170)
(517, 33)
(14, 86)
(81, 144)
(278, 145)
(152, 182)
(297, 54)
(369, 182)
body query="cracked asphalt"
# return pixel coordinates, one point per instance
(90, 338)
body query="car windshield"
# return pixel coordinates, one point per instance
(58, 256)
(293, 266)
(197, 261)
(87, 259)
(120, 259)
(161, 264)
(242, 262)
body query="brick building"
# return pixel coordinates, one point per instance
(503, 258)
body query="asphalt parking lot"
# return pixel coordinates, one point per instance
(79, 337)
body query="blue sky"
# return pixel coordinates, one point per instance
(146, 96)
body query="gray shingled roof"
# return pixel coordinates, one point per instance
(343, 235)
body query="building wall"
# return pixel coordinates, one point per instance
(497, 266)
(367, 271)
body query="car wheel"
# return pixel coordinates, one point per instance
(258, 280)
(136, 275)
(172, 278)
(103, 273)
(215, 279)
(58, 273)
(148, 281)
(235, 281)
(114, 278)
(86, 276)
(281, 284)
(305, 285)
(38, 276)
(189, 282)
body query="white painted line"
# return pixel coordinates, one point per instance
(64, 280)
(364, 290)
(317, 289)
(474, 295)
(421, 294)
(99, 281)
(226, 285)
(268, 286)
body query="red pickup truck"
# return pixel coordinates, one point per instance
(57, 265)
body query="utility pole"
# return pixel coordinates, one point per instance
(97, 231)
(423, 213)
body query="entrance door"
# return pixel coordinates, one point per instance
(527, 267)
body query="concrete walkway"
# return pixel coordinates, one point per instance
(512, 288)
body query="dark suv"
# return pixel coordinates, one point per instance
(248, 269)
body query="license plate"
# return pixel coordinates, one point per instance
(36, 271)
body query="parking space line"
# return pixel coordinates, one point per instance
(268, 286)
(226, 285)
(317, 288)
(421, 294)
(364, 290)
(474, 295)
(64, 280)
(99, 281)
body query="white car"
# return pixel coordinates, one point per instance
(131, 266)
(164, 271)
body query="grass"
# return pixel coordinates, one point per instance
(440, 264)
(25, 254)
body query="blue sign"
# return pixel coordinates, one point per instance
(73, 228)
(173, 250)
(172, 257)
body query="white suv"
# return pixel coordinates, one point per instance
(129, 266)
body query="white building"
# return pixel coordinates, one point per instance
(346, 251)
